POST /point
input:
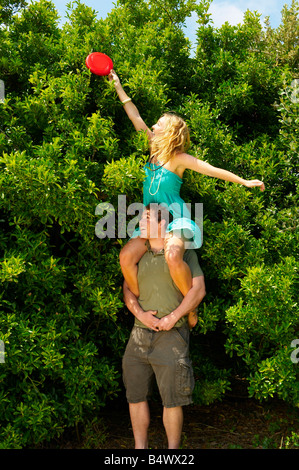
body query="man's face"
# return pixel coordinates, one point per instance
(149, 226)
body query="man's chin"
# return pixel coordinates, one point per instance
(143, 234)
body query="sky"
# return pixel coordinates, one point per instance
(221, 10)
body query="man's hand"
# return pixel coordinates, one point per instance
(168, 322)
(148, 319)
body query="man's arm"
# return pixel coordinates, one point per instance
(147, 318)
(191, 300)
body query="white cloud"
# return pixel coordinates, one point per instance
(222, 12)
(233, 10)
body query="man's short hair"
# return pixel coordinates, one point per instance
(161, 212)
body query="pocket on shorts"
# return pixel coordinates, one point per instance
(183, 334)
(184, 376)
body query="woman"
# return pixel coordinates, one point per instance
(168, 142)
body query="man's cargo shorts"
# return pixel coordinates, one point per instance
(163, 355)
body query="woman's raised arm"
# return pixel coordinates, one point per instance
(129, 106)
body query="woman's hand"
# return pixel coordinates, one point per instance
(114, 78)
(253, 183)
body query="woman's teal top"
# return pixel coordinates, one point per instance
(162, 186)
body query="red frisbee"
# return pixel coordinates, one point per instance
(99, 63)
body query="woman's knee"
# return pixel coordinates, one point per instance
(126, 255)
(123, 256)
(131, 253)
(174, 253)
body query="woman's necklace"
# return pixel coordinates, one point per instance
(153, 178)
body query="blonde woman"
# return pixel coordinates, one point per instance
(168, 143)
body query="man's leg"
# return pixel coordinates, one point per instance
(173, 423)
(140, 419)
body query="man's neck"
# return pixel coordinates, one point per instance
(156, 244)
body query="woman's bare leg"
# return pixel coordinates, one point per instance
(129, 257)
(179, 269)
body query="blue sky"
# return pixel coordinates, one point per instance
(221, 10)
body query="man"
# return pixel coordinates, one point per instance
(159, 342)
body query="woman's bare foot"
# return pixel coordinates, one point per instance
(192, 319)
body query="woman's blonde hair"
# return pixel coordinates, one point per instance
(174, 139)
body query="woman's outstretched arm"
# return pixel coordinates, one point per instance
(129, 106)
(186, 161)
